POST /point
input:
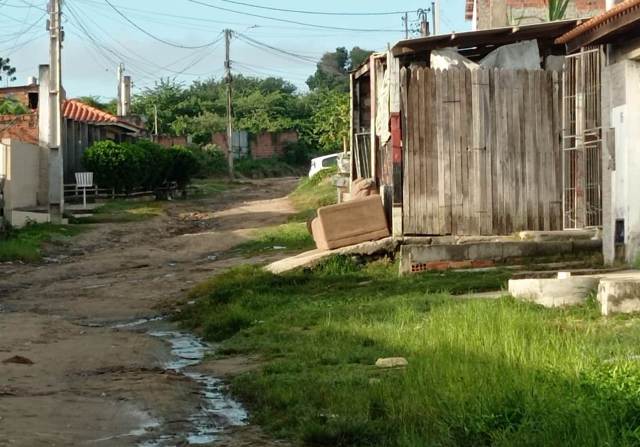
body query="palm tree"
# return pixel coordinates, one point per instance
(557, 9)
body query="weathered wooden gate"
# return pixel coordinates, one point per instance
(482, 151)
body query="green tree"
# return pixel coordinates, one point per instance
(7, 72)
(110, 106)
(332, 71)
(330, 121)
(169, 97)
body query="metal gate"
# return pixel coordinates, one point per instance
(582, 140)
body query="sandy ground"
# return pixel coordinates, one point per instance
(91, 384)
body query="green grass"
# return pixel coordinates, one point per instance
(122, 211)
(313, 193)
(310, 194)
(266, 168)
(26, 243)
(480, 372)
(289, 237)
(210, 187)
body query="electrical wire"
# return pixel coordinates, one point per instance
(295, 22)
(298, 11)
(159, 39)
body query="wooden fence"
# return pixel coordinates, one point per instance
(482, 151)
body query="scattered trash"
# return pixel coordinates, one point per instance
(279, 247)
(172, 264)
(212, 257)
(392, 362)
(18, 360)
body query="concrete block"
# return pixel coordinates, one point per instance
(619, 296)
(554, 292)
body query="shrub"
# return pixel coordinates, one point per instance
(211, 161)
(156, 163)
(183, 165)
(117, 166)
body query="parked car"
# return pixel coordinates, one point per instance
(320, 163)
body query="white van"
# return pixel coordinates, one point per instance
(320, 163)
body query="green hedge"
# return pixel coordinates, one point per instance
(144, 164)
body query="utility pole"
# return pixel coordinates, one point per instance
(405, 20)
(424, 22)
(435, 12)
(120, 75)
(155, 121)
(56, 176)
(229, 80)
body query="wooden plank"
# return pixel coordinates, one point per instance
(545, 165)
(431, 180)
(433, 153)
(519, 116)
(469, 167)
(487, 137)
(476, 169)
(557, 218)
(415, 141)
(422, 211)
(455, 151)
(444, 184)
(530, 150)
(405, 79)
(540, 141)
(449, 152)
(501, 143)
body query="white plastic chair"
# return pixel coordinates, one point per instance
(84, 180)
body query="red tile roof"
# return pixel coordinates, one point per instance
(79, 111)
(597, 21)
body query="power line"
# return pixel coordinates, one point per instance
(295, 22)
(324, 13)
(166, 42)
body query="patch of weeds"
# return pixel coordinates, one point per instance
(26, 244)
(288, 237)
(209, 187)
(123, 211)
(313, 193)
(481, 372)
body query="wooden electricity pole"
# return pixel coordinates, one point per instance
(229, 80)
(56, 175)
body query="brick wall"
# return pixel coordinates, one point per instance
(20, 94)
(170, 141)
(264, 145)
(497, 13)
(22, 127)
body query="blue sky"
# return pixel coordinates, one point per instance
(97, 37)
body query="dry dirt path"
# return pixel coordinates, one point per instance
(91, 383)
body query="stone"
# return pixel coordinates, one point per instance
(392, 362)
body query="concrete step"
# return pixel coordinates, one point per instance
(617, 292)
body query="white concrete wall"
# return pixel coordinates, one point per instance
(21, 167)
(622, 172)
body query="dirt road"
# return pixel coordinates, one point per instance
(94, 380)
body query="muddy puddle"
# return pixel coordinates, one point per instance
(217, 412)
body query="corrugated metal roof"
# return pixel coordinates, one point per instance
(548, 31)
(599, 20)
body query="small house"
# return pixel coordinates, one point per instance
(605, 52)
(473, 134)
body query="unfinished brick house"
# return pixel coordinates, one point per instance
(486, 14)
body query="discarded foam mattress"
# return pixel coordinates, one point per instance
(350, 223)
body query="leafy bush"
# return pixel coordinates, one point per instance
(266, 168)
(114, 165)
(183, 165)
(126, 166)
(10, 106)
(297, 154)
(211, 161)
